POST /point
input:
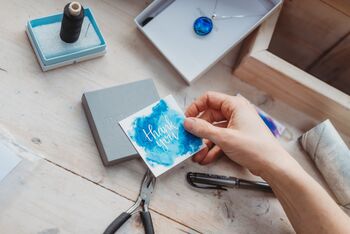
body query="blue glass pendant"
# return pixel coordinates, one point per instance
(202, 26)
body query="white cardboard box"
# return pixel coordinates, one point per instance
(171, 30)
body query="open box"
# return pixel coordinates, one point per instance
(259, 67)
(169, 25)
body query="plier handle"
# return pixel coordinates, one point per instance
(143, 200)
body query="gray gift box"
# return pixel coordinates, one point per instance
(106, 107)
(168, 24)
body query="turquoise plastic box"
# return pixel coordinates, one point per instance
(52, 52)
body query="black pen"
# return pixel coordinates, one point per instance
(208, 181)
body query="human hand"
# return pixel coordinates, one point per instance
(240, 132)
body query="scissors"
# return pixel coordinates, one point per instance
(143, 200)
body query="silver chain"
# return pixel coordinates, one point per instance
(214, 16)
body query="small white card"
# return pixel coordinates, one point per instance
(8, 160)
(158, 134)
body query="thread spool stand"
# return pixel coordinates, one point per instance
(53, 52)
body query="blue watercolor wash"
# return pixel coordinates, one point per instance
(167, 127)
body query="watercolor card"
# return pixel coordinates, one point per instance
(158, 134)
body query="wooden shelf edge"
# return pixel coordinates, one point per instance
(302, 77)
(259, 39)
(295, 87)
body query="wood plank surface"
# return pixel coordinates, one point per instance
(43, 112)
(40, 197)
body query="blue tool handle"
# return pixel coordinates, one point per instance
(117, 223)
(147, 222)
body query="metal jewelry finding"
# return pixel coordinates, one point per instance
(203, 25)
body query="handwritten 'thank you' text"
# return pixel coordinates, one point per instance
(162, 135)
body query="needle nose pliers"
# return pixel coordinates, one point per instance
(143, 200)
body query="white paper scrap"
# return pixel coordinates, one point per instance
(8, 161)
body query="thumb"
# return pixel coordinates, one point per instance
(202, 128)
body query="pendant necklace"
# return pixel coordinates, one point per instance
(203, 25)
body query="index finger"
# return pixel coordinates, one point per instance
(210, 100)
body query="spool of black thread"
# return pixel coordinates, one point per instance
(73, 17)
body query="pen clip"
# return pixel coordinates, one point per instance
(191, 177)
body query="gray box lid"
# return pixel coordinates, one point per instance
(106, 107)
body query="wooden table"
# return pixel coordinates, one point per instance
(61, 185)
